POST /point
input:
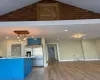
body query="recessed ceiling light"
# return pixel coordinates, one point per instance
(66, 30)
(7, 37)
(18, 37)
(57, 39)
(32, 36)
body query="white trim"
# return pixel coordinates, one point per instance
(70, 60)
(58, 51)
(91, 59)
(80, 60)
(46, 65)
(65, 60)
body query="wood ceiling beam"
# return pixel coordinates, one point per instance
(21, 32)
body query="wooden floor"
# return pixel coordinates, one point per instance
(68, 71)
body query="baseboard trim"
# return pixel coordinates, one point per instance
(65, 60)
(79, 60)
(45, 65)
(92, 60)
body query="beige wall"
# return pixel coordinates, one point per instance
(98, 47)
(1, 54)
(10, 42)
(3, 49)
(84, 49)
(90, 50)
(69, 48)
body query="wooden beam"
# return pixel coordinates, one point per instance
(21, 32)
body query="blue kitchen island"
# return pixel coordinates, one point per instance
(15, 68)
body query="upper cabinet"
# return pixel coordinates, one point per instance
(36, 41)
(48, 11)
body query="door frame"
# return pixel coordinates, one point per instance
(54, 55)
(57, 49)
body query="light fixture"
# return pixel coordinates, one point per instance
(58, 39)
(21, 34)
(18, 37)
(66, 30)
(78, 35)
(7, 37)
(32, 36)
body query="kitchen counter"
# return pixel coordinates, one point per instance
(15, 68)
(17, 57)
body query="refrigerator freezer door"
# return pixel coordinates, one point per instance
(37, 51)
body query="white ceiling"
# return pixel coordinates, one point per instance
(53, 31)
(91, 5)
(7, 6)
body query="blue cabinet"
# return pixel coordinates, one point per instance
(15, 68)
(36, 41)
(28, 63)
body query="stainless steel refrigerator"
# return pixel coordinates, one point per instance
(37, 51)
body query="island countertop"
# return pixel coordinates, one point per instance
(17, 57)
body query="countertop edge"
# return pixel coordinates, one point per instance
(17, 57)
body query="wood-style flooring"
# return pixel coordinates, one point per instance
(68, 71)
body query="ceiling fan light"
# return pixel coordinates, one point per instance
(78, 35)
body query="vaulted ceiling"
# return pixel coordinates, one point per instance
(7, 6)
(91, 5)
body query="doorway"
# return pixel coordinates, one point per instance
(52, 53)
